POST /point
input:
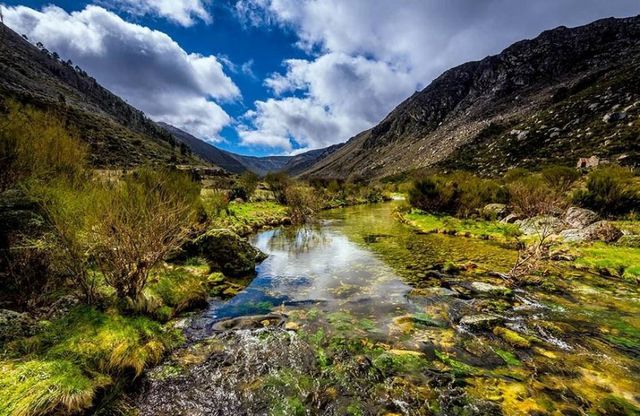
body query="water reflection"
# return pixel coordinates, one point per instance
(315, 264)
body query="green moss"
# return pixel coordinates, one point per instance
(397, 361)
(507, 357)
(458, 368)
(474, 228)
(42, 386)
(617, 261)
(62, 367)
(511, 337)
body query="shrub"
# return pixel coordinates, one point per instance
(531, 196)
(433, 194)
(560, 178)
(461, 194)
(215, 203)
(278, 184)
(303, 203)
(610, 190)
(137, 222)
(37, 145)
(516, 174)
(245, 187)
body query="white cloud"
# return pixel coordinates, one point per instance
(182, 12)
(144, 66)
(369, 55)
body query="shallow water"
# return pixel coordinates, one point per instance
(382, 320)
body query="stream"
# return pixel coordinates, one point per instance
(361, 315)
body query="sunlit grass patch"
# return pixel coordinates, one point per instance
(243, 218)
(614, 260)
(178, 289)
(64, 366)
(469, 227)
(36, 387)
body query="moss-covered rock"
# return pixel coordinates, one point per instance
(227, 252)
(15, 325)
(511, 337)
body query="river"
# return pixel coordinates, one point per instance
(361, 315)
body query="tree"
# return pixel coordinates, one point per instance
(278, 183)
(246, 186)
(138, 222)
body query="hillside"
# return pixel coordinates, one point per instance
(567, 94)
(235, 163)
(118, 134)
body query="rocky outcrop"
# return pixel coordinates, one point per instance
(227, 252)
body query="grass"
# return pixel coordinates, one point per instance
(246, 217)
(494, 230)
(173, 290)
(613, 260)
(63, 367)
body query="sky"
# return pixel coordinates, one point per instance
(279, 77)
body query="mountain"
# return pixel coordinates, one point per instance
(567, 94)
(118, 134)
(235, 163)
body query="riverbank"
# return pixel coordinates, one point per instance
(362, 315)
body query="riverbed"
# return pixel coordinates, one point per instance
(360, 314)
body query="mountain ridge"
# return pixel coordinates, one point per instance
(482, 101)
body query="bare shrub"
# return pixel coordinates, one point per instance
(137, 222)
(531, 196)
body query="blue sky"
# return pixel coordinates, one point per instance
(282, 76)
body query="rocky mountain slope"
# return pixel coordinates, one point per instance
(235, 163)
(118, 134)
(568, 93)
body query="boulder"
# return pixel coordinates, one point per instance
(487, 289)
(579, 217)
(537, 225)
(614, 117)
(511, 218)
(481, 321)
(494, 211)
(14, 325)
(227, 252)
(599, 231)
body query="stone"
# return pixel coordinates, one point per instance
(488, 289)
(511, 337)
(481, 321)
(511, 218)
(630, 240)
(227, 252)
(580, 217)
(14, 325)
(292, 326)
(588, 162)
(599, 231)
(494, 211)
(614, 117)
(538, 225)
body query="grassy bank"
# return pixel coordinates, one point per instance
(430, 223)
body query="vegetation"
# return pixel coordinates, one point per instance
(610, 190)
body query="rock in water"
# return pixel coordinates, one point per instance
(482, 321)
(227, 252)
(580, 217)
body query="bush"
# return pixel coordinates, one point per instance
(610, 190)
(560, 178)
(137, 222)
(278, 184)
(37, 145)
(460, 194)
(303, 203)
(531, 196)
(245, 187)
(433, 194)
(215, 203)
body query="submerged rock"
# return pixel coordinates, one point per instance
(481, 321)
(488, 289)
(511, 337)
(227, 252)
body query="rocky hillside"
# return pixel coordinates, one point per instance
(235, 163)
(567, 94)
(118, 134)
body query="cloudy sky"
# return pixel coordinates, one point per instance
(282, 76)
